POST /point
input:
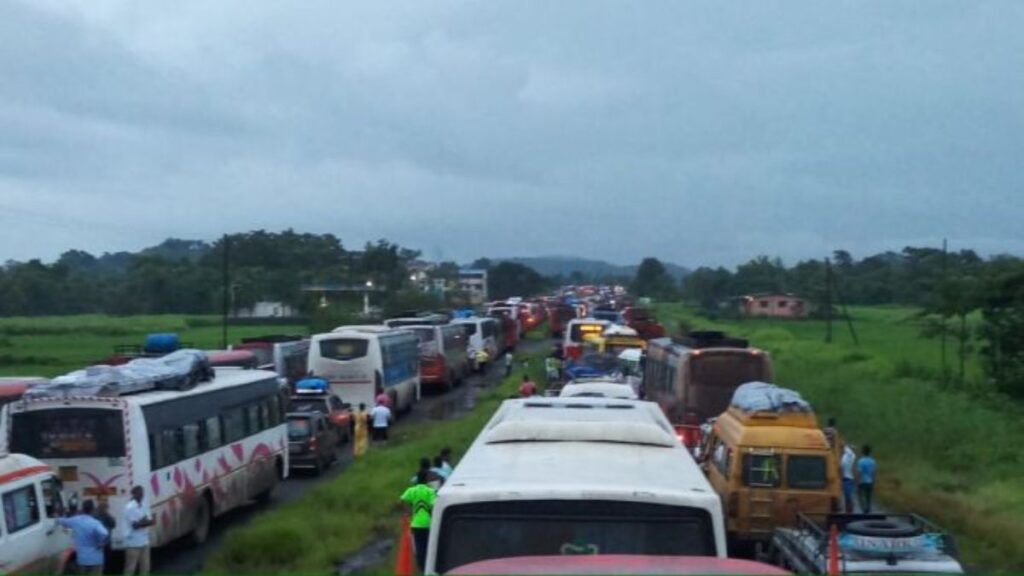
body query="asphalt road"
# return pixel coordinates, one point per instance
(183, 558)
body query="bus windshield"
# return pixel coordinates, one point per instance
(343, 348)
(69, 433)
(580, 330)
(488, 530)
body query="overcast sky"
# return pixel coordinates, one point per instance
(701, 133)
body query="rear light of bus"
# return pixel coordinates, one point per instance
(734, 504)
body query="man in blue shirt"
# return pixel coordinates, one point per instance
(866, 482)
(89, 536)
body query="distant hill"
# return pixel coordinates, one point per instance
(566, 265)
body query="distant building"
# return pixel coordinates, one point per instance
(474, 283)
(773, 305)
(267, 310)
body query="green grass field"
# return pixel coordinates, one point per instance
(951, 456)
(49, 346)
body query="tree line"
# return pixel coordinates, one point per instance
(186, 276)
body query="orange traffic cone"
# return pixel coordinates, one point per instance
(404, 564)
(833, 551)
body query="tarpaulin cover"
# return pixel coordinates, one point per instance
(765, 397)
(178, 370)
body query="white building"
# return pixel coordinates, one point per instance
(474, 283)
(267, 310)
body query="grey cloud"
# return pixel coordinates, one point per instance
(701, 133)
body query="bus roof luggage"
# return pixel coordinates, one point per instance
(711, 339)
(765, 397)
(179, 370)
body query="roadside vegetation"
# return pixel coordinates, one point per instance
(946, 451)
(338, 518)
(54, 345)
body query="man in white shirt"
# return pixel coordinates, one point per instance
(846, 465)
(136, 522)
(381, 418)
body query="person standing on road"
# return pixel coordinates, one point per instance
(107, 519)
(551, 366)
(508, 364)
(846, 465)
(381, 418)
(420, 499)
(362, 422)
(446, 461)
(89, 537)
(136, 522)
(527, 388)
(832, 434)
(438, 472)
(866, 481)
(383, 398)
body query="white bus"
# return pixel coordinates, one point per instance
(197, 453)
(484, 334)
(362, 361)
(576, 332)
(552, 476)
(444, 359)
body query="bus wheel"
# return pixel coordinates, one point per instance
(268, 494)
(203, 519)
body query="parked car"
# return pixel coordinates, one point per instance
(312, 441)
(338, 413)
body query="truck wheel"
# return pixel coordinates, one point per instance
(887, 528)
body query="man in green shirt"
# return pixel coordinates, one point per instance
(420, 498)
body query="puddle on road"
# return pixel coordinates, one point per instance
(371, 556)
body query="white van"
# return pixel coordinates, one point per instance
(31, 542)
(362, 361)
(574, 476)
(484, 334)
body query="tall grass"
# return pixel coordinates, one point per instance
(49, 346)
(334, 520)
(946, 454)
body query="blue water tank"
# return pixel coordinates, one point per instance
(161, 343)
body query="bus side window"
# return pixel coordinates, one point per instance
(234, 424)
(171, 446)
(212, 433)
(190, 440)
(252, 419)
(276, 410)
(264, 408)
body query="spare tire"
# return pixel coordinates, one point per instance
(885, 528)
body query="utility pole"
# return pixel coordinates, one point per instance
(828, 300)
(945, 371)
(225, 303)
